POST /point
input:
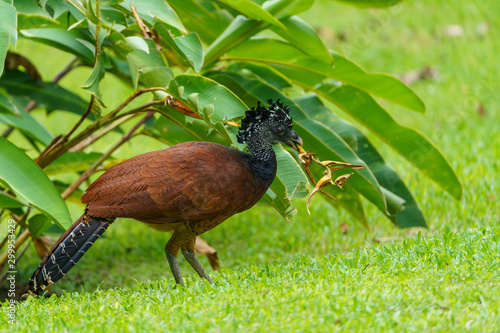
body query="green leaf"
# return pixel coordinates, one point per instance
(7, 105)
(192, 49)
(29, 182)
(291, 174)
(53, 9)
(227, 80)
(299, 33)
(285, 8)
(254, 11)
(8, 30)
(189, 129)
(91, 85)
(114, 18)
(64, 40)
(242, 28)
(152, 10)
(169, 132)
(298, 66)
(71, 162)
(8, 21)
(266, 73)
(290, 182)
(8, 201)
(32, 21)
(52, 95)
(147, 64)
(38, 224)
(197, 17)
(4, 47)
(237, 32)
(370, 3)
(413, 146)
(226, 104)
(188, 46)
(27, 125)
(382, 85)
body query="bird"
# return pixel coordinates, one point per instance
(186, 189)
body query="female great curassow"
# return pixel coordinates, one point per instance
(186, 189)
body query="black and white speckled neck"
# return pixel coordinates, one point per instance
(262, 159)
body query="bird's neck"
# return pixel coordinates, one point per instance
(262, 158)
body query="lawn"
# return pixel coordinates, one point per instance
(324, 272)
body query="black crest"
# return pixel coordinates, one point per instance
(276, 112)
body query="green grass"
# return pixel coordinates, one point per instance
(446, 282)
(309, 275)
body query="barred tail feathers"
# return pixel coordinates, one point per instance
(66, 252)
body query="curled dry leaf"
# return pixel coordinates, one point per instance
(306, 158)
(324, 181)
(14, 60)
(201, 246)
(232, 123)
(340, 181)
(177, 105)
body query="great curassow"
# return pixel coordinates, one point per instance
(186, 189)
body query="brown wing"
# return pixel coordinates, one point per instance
(189, 181)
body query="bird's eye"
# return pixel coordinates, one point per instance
(280, 131)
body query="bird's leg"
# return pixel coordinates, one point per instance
(191, 259)
(174, 267)
(171, 251)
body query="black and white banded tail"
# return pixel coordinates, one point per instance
(66, 252)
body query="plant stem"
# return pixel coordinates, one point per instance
(93, 138)
(61, 147)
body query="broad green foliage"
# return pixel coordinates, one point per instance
(8, 29)
(217, 60)
(29, 183)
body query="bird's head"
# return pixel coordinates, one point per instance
(272, 124)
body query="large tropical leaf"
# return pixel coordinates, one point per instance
(28, 125)
(48, 94)
(299, 33)
(72, 41)
(28, 182)
(188, 46)
(253, 11)
(302, 68)
(8, 201)
(242, 28)
(8, 30)
(412, 145)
